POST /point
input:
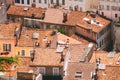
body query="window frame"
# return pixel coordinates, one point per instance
(56, 73)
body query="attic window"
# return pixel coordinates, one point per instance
(78, 74)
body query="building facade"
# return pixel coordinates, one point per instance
(80, 5)
(110, 9)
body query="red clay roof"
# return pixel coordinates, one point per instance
(104, 57)
(26, 38)
(7, 30)
(80, 19)
(46, 57)
(19, 11)
(110, 73)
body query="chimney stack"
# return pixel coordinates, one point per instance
(64, 17)
(43, 15)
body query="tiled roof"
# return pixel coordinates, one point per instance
(19, 11)
(76, 52)
(104, 57)
(46, 57)
(7, 30)
(26, 38)
(63, 38)
(110, 73)
(80, 19)
(80, 39)
(54, 16)
(85, 68)
(23, 65)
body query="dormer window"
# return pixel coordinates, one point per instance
(78, 74)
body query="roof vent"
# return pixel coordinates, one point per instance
(35, 35)
(45, 38)
(111, 54)
(26, 8)
(60, 48)
(102, 66)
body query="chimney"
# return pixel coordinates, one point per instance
(43, 15)
(64, 17)
(62, 57)
(33, 15)
(87, 13)
(67, 43)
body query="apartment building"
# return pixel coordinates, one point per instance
(9, 34)
(110, 9)
(76, 63)
(40, 3)
(108, 64)
(80, 5)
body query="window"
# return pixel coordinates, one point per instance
(63, 2)
(116, 15)
(102, 13)
(81, 0)
(28, 1)
(6, 47)
(22, 53)
(55, 71)
(17, 1)
(34, 1)
(108, 7)
(80, 8)
(31, 53)
(22, 1)
(57, 2)
(51, 1)
(78, 74)
(45, 1)
(39, 1)
(42, 70)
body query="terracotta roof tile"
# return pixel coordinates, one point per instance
(63, 38)
(24, 64)
(46, 57)
(54, 16)
(80, 19)
(104, 58)
(110, 73)
(19, 11)
(76, 52)
(74, 67)
(7, 30)
(80, 39)
(26, 38)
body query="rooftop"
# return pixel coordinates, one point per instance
(110, 73)
(78, 38)
(54, 16)
(47, 57)
(64, 38)
(74, 67)
(76, 52)
(25, 11)
(7, 30)
(24, 63)
(85, 20)
(105, 57)
(30, 37)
